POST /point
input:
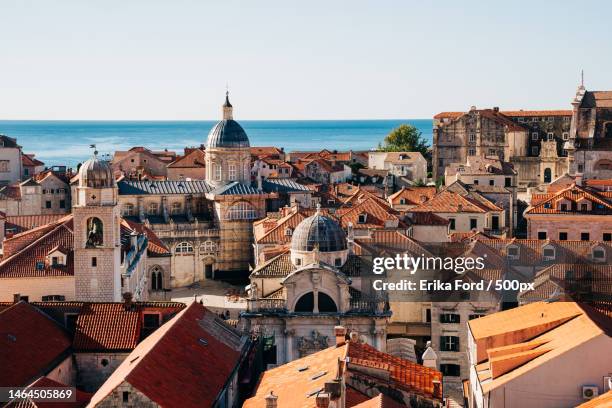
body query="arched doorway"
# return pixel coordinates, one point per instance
(547, 175)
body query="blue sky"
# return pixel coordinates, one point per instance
(311, 59)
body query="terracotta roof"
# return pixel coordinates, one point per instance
(26, 222)
(194, 158)
(279, 266)
(30, 161)
(81, 397)
(547, 203)
(403, 157)
(107, 326)
(449, 202)
(195, 343)
(26, 253)
(513, 342)
(31, 344)
(265, 151)
(11, 191)
(297, 382)
(377, 214)
(413, 195)
(278, 234)
(427, 218)
(478, 165)
(354, 397)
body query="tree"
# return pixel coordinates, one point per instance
(405, 138)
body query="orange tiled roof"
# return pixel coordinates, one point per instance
(194, 158)
(376, 214)
(519, 113)
(546, 203)
(30, 161)
(107, 326)
(195, 342)
(413, 195)
(449, 202)
(31, 343)
(297, 382)
(26, 222)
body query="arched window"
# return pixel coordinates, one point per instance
(157, 277)
(95, 233)
(305, 303)
(176, 208)
(241, 211)
(208, 247)
(547, 175)
(128, 209)
(184, 248)
(326, 304)
(152, 209)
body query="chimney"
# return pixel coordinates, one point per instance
(430, 358)
(322, 400)
(127, 300)
(579, 179)
(271, 400)
(16, 297)
(496, 109)
(340, 332)
(354, 336)
(459, 207)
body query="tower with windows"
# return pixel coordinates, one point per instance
(97, 240)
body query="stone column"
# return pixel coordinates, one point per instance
(289, 344)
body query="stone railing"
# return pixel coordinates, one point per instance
(258, 305)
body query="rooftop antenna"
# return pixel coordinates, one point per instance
(582, 78)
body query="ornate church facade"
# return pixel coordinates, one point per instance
(297, 298)
(206, 224)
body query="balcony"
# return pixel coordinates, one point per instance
(268, 305)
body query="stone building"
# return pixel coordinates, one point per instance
(297, 297)
(45, 193)
(141, 163)
(89, 255)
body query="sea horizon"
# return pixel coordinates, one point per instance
(67, 142)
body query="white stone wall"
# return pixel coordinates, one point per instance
(35, 288)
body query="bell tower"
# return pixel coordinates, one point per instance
(97, 229)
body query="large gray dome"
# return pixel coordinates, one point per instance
(227, 133)
(318, 231)
(96, 173)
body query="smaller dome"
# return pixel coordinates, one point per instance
(319, 232)
(96, 173)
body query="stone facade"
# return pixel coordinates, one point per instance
(95, 368)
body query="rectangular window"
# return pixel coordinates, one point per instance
(450, 370)
(472, 137)
(551, 136)
(449, 343)
(151, 321)
(607, 236)
(218, 171)
(562, 236)
(491, 182)
(565, 136)
(450, 318)
(5, 166)
(475, 316)
(126, 396)
(473, 223)
(585, 236)
(471, 152)
(475, 182)
(62, 203)
(94, 261)
(534, 136)
(541, 234)
(451, 224)
(428, 315)
(54, 261)
(584, 207)
(534, 150)
(231, 169)
(508, 182)
(563, 207)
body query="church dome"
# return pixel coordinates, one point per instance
(319, 232)
(96, 173)
(227, 133)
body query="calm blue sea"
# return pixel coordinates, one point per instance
(67, 142)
